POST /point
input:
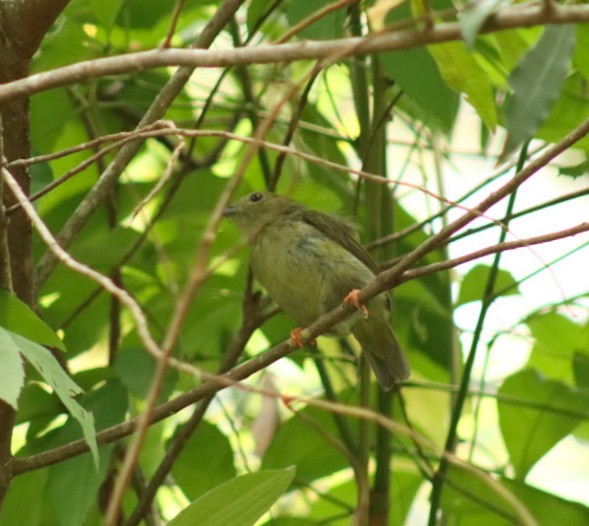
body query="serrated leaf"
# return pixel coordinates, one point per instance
(65, 388)
(536, 84)
(12, 374)
(242, 500)
(463, 74)
(473, 16)
(549, 412)
(16, 316)
(474, 284)
(576, 170)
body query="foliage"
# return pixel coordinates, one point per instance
(222, 454)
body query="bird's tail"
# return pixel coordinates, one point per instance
(384, 354)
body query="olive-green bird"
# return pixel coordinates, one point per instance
(309, 262)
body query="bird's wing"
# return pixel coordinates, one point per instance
(341, 231)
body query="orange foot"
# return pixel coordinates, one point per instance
(295, 336)
(352, 298)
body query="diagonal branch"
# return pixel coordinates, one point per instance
(156, 111)
(385, 281)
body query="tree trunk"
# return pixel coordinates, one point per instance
(17, 47)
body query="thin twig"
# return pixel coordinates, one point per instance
(106, 283)
(316, 15)
(173, 24)
(493, 249)
(108, 178)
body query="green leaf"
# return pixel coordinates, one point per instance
(135, 367)
(557, 338)
(463, 74)
(294, 444)
(36, 403)
(549, 509)
(469, 498)
(73, 486)
(242, 500)
(329, 26)
(65, 388)
(415, 71)
(581, 369)
(73, 483)
(473, 16)
(568, 112)
(512, 45)
(576, 170)
(536, 84)
(12, 373)
(290, 521)
(205, 462)
(18, 317)
(17, 508)
(106, 12)
(474, 284)
(547, 412)
(343, 497)
(581, 57)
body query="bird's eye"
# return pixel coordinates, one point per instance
(256, 197)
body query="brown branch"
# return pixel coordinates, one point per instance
(173, 24)
(157, 109)
(221, 18)
(36, 15)
(493, 249)
(316, 15)
(385, 280)
(252, 319)
(5, 271)
(510, 18)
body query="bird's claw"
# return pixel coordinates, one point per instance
(352, 298)
(295, 336)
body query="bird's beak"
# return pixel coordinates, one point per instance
(229, 211)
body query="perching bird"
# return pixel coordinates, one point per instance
(310, 262)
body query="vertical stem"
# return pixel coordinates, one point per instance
(362, 98)
(362, 478)
(487, 300)
(5, 272)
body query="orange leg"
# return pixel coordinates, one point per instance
(295, 336)
(352, 298)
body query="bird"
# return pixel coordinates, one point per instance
(309, 262)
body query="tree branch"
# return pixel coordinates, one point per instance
(510, 18)
(157, 109)
(384, 281)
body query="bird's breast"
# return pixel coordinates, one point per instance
(303, 270)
